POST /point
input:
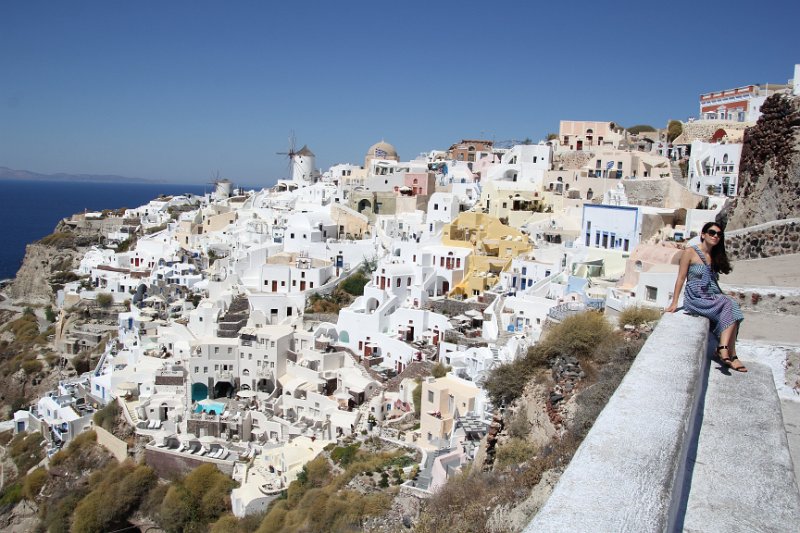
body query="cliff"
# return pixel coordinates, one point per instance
(44, 270)
(769, 170)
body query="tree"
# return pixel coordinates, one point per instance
(674, 129)
(417, 396)
(639, 128)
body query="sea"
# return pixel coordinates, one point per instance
(29, 210)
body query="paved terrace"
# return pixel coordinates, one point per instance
(683, 445)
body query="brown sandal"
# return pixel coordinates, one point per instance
(730, 359)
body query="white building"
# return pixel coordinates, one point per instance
(714, 168)
(611, 227)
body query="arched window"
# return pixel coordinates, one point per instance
(725, 158)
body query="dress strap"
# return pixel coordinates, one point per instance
(700, 254)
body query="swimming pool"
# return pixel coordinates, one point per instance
(210, 407)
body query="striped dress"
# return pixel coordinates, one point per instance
(703, 297)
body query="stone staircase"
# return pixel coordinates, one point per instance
(235, 318)
(742, 477)
(677, 173)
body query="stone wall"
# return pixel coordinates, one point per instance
(665, 192)
(574, 160)
(780, 237)
(169, 465)
(117, 447)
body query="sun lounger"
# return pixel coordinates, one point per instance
(194, 449)
(202, 451)
(223, 454)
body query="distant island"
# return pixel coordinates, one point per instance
(11, 174)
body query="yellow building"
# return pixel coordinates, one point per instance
(443, 400)
(494, 245)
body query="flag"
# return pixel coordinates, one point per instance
(609, 165)
(379, 153)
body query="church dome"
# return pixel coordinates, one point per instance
(382, 150)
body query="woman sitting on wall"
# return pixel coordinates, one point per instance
(699, 268)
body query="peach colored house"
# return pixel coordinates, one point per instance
(420, 183)
(586, 135)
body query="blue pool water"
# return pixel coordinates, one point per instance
(209, 407)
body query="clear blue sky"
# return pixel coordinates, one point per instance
(180, 90)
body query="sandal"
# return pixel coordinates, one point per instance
(735, 360)
(729, 360)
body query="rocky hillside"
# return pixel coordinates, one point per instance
(769, 175)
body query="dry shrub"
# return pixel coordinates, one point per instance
(318, 501)
(587, 336)
(514, 451)
(637, 315)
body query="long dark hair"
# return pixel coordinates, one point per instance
(719, 257)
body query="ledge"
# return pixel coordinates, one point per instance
(628, 474)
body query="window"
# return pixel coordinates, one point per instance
(650, 293)
(435, 207)
(398, 282)
(430, 396)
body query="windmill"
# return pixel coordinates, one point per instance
(290, 154)
(301, 162)
(222, 187)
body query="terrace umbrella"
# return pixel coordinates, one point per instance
(246, 393)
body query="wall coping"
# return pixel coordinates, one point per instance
(766, 225)
(621, 480)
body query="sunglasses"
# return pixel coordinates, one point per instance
(714, 233)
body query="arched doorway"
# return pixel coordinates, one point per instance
(199, 392)
(223, 389)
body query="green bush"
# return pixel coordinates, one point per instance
(49, 314)
(107, 416)
(105, 300)
(78, 445)
(196, 501)
(416, 395)
(637, 315)
(26, 450)
(11, 495)
(354, 284)
(639, 128)
(344, 455)
(33, 483)
(440, 370)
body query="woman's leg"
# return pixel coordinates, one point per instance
(728, 355)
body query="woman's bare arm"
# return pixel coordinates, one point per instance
(683, 270)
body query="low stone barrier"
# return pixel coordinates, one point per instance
(780, 237)
(117, 447)
(628, 474)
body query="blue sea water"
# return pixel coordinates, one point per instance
(29, 210)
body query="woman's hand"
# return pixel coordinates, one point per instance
(671, 308)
